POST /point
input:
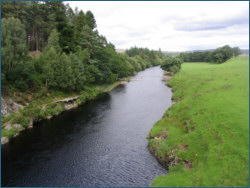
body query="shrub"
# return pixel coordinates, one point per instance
(59, 108)
(82, 98)
(172, 64)
(49, 111)
(174, 69)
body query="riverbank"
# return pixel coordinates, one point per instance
(100, 144)
(45, 105)
(203, 139)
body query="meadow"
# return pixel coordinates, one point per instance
(203, 138)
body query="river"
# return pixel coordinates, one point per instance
(102, 143)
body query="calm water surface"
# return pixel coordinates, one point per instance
(102, 143)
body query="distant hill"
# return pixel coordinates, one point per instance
(119, 50)
(244, 51)
(173, 54)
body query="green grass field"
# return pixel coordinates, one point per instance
(207, 130)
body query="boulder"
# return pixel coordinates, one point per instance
(8, 106)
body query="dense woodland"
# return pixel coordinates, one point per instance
(73, 53)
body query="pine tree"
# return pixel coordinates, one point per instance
(90, 20)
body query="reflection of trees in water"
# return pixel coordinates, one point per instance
(57, 130)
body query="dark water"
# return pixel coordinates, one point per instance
(102, 143)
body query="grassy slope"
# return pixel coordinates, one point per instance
(211, 116)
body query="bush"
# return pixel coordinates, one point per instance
(82, 98)
(172, 64)
(20, 119)
(174, 69)
(49, 111)
(59, 108)
(35, 113)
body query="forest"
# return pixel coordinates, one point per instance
(49, 45)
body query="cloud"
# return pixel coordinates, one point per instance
(171, 26)
(135, 34)
(216, 24)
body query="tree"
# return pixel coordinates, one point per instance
(13, 43)
(17, 67)
(50, 55)
(57, 12)
(236, 51)
(22, 75)
(222, 54)
(36, 25)
(172, 64)
(79, 20)
(78, 72)
(88, 39)
(44, 66)
(53, 41)
(16, 9)
(90, 19)
(62, 74)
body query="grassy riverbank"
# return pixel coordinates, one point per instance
(204, 137)
(43, 105)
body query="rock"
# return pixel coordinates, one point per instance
(68, 99)
(16, 135)
(30, 124)
(70, 106)
(17, 126)
(188, 165)
(34, 53)
(8, 126)
(8, 106)
(20, 127)
(162, 135)
(166, 78)
(4, 140)
(123, 82)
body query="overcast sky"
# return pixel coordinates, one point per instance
(171, 26)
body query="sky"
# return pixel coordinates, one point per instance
(171, 25)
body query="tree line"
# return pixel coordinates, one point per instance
(219, 55)
(73, 53)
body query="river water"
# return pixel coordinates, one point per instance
(102, 143)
